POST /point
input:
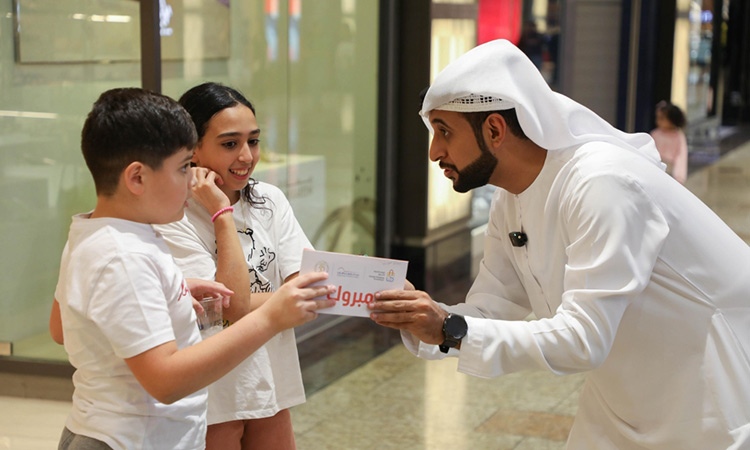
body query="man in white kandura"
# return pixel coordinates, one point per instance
(630, 277)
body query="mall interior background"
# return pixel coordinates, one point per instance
(335, 84)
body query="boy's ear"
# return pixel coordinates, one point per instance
(133, 177)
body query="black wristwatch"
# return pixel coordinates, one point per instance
(454, 329)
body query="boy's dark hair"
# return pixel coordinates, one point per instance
(476, 119)
(203, 102)
(673, 113)
(132, 124)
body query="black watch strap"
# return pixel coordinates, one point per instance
(454, 329)
(446, 346)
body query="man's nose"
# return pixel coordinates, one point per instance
(436, 151)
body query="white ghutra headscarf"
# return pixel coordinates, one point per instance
(497, 76)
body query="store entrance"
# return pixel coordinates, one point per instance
(736, 63)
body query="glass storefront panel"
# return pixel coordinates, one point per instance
(310, 68)
(540, 37)
(691, 74)
(700, 96)
(532, 25)
(55, 60)
(451, 38)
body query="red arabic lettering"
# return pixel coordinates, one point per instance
(351, 298)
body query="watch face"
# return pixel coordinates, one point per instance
(455, 326)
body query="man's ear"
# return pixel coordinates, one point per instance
(134, 177)
(496, 129)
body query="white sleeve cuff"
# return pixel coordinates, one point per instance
(470, 359)
(422, 350)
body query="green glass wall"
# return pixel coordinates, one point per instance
(51, 72)
(309, 66)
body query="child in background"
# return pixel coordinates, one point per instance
(242, 233)
(670, 139)
(124, 309)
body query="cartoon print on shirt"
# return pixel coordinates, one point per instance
(258, 283)
(249, 232)
(266, 258)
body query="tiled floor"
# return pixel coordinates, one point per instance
(396, 401)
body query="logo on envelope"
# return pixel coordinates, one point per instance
(346, 273)
(321, 266)
(356, 279)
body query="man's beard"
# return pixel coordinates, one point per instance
(477, 173)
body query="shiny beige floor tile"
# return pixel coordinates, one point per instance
(409, 435)
(554, 427)
(539, 444)
(535, 391)
(428, 405)
(725, 187)
(31, 423)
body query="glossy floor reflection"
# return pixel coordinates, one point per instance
(397, 401)
(368, 393)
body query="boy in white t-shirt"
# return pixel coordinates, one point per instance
(123, 308)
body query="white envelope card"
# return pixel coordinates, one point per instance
(357, 278)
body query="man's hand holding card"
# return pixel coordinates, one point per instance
(357, 279)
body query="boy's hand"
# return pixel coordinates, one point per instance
(205, 190)
(207, 288)
(292, 304)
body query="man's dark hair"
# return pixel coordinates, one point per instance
(476, 120)
(132, 124)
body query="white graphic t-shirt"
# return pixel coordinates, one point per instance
(270, 379)
(120, 295)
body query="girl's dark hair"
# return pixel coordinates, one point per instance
(203, 102)
(673, 113)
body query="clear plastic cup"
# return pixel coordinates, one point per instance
(211, 321)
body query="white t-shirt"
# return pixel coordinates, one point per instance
(634, 281)
(270, 379)
(121, 294)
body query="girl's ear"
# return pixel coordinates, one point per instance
(133, 177)
(195, 160)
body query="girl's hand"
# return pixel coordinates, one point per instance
(205, 190)
(207, 288)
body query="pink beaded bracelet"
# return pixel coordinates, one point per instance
(220, 212)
